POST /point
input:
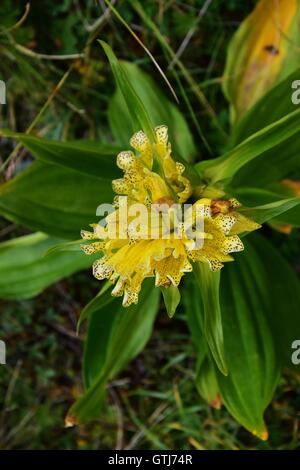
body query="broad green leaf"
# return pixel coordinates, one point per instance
(208, 284)
(65, 246)
(192, 300)
(271, 166)
(287, 220)
(54, 200)
(281, 287)
(278, 99)
(137, 111)
(160, 109)
(260, 299)
(97, 349)
(87, 157)
(250, 344)
(206, 381)
(25, 270)
(115, 336)
(102, 299)
(260, 149)
(267, 212)
(171, 297)
(262, 52)
(267, 205)
(252, 196)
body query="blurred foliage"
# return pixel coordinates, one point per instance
(71, 27)
(143, 413)
(41, 378)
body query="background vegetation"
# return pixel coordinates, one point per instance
(154, 403)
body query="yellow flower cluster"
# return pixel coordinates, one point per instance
(152, 177)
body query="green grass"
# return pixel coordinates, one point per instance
(153, 404)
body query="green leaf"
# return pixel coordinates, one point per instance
(278, 99)
(283, 283)
(290, 217)
(263, 144)
(269, 211)
(87, 157)
(208, 283)
(115, 336)
(65, 246)
(248, 314)
(160, 109)
(271, 166)
(54, 200)
(102, 299)
(97, 352)
(139, 115)
(261, 53)
(251, 323)
(206, 381)
(25, 270)
(283, 211)
(171, 297)
(251, 196)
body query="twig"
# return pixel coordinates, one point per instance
(140, 42)
(6, 230)
(36, 119)
(13, 164)
(9, 392)
(38, 55)
(94, 26)
(155, 418)
(14, 431)
(21, 20)
(64, 331)
(190, 34)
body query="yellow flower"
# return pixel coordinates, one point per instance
(131, 257)
(140, 183)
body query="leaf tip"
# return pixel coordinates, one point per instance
(70, 421)
(216, 402)
(262, 434)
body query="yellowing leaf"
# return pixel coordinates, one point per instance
(264, 50)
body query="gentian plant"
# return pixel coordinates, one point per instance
(240, 297)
